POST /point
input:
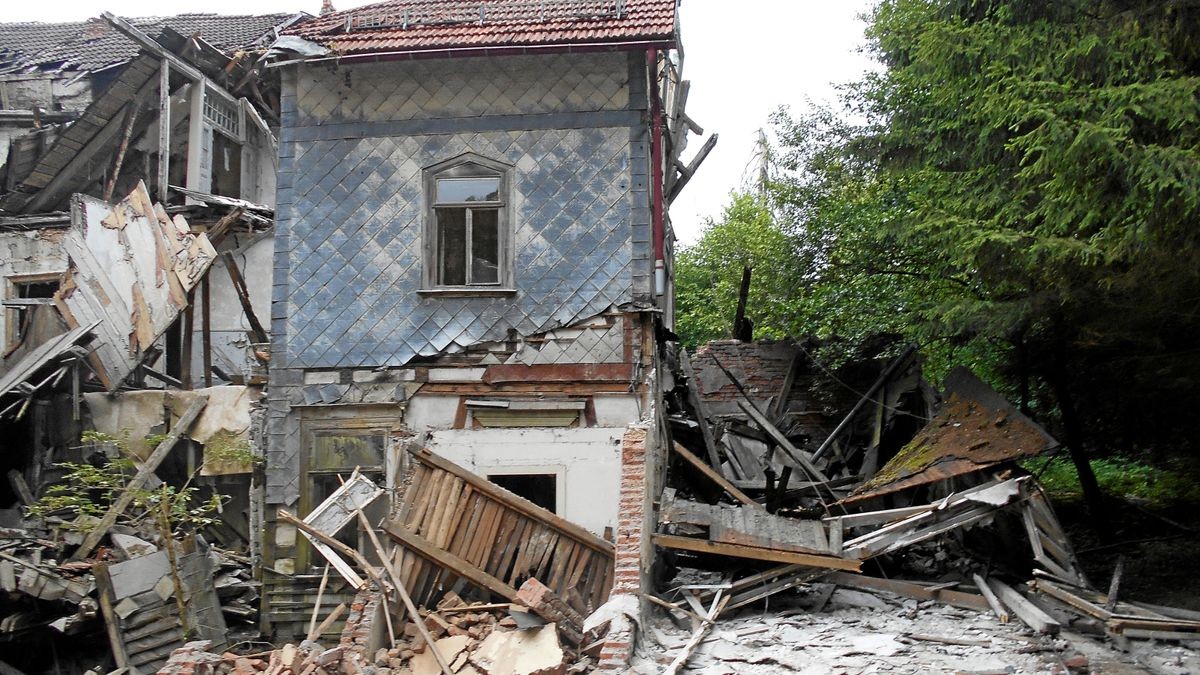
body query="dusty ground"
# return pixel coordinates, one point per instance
(878, 633)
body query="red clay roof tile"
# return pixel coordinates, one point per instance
(416, 25)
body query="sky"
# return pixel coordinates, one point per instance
(745, 58)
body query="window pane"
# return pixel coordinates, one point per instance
(485, 246)
(340, 450)
(452, 247)
(456, 190)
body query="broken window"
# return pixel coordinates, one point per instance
(539, 488)
(467, 233)
(24, 295)
(331, 456)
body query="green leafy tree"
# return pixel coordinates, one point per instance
(1020, 191)
(708, 275)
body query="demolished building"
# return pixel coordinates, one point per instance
(150, 177)
(433, 384)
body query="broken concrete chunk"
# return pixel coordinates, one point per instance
(849, 598)
(132, 547)
(519, 652)
(426, 663)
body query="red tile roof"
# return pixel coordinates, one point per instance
(418, 25)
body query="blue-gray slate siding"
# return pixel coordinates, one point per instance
(348, 258)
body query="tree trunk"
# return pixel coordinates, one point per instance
(1093, 496)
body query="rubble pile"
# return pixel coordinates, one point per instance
(761, 514)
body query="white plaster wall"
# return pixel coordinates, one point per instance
(616, 410)
(431, 412)
(587, 462)
(254, 256)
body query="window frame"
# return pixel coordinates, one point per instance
(13, 316)
(468, 165)
(365, 424)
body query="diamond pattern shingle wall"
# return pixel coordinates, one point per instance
(466, 87)
(355, 258)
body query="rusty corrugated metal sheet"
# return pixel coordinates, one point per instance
(974, 429)
(409, 25)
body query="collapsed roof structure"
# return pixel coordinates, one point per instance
(430, 407)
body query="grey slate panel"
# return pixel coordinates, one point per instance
(355, 266)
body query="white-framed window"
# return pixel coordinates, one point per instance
(468, 226)
(23, 294)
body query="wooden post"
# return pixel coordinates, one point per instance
(206, 328)
(126, 133)
(741, 329)
(185, 350)
(243, 293)
(112, 622)
(312, 623)
(164, 129)
(697, 403)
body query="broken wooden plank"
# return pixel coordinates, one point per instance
(1026, 611)
(239, 285)
(404, 596)
(448, 560)
(312, 623)
(782, 441)
(962, 642)
(672, 607)
(686, 653)
(910, 589)
(1110, 601)
(783, 583)
(689, 171)
(994, 602)
(738, 551)
(329, 548)
(140, 479)
(698, 406)
(715, 477)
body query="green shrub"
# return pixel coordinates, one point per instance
(1121, 477)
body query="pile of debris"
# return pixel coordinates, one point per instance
(913, 500)
(538, 630)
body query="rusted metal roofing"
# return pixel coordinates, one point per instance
(94, 44)
(974, 429)
(418, 25)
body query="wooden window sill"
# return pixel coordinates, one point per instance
(467, 292)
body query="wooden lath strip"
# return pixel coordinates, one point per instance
(459, 528)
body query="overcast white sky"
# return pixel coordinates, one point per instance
(744, 57)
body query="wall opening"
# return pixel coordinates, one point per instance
(24, 294)
(539, 488)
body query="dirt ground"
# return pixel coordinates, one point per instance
(858, 632)
(1162, 557)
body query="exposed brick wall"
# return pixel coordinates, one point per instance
(365, 626)
(760, 366)
(631, 564)
(816, 402)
